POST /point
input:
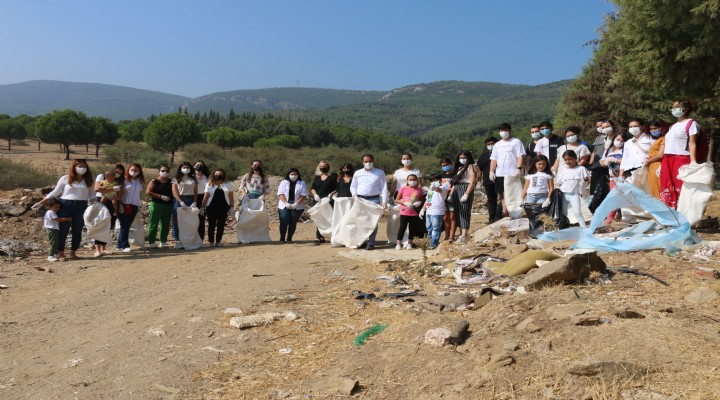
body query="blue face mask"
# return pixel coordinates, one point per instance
(447, 168)
(546, 132)
(656, 133)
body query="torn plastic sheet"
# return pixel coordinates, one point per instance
(673, 232)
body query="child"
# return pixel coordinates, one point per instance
(113, 188)
(572, 181)
(52, 227)
(538, 182)
(410, 199)
(434, 209)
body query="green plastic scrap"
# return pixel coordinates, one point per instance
(373, 330)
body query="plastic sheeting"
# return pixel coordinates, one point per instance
(188, 222)
(137, 231)
(696, 190)
(322, 215)
(675, 229)
(97, 221)
(355, 223)
(253, 223)
(513, 196)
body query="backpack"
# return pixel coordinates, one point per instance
(702, 144)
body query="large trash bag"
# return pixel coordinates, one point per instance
(393, 225)
(357, 223)
(137, 231)
(555, 209)
(97, 221)
(188, 222)
(533, 211)
(253, 223)
(601, 192)
(342, 206)
(696, 190)
(513, 195)
(322, 214)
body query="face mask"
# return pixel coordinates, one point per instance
(571, 139)
(447, 168)
(536, 135)
(434, 185)
(412, 183)
(368, 165)
(606, 131)
(463, 161)
(678, 112)
(406, 163)
(80, 170)
(163, 174)
(656, 133)
(218, 177)
(504, 134)
(346, 172)
(185, 170)
(599, 130)
(257, 168)
(293, 178)
(618, 143)
(490, 147)
(133, 173)
(634, 130)
(546, 131)
(324, 170)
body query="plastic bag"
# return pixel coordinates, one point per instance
(188, 222)
(513, 195)
(533, 211)
(137, 231)
(555, 209)
(253, 223)
(357, 223)
(97, 221)
(322, 214)
(696, 190)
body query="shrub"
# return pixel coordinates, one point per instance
(125, 152)
(30, 178)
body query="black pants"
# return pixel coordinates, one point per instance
(494, 209)
(409, 221)
(216, 220)
(596, 176)
(201, 227)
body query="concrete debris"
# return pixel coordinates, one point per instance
(570, 269)
(607, 370)
(12, 210)
(437, 337)
(250, 321)
(702, 295)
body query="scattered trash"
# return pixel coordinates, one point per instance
(285, 350)
(453, 302)
(367, 333)
(437, 337)
(358, 295)
(712, 273)
(460, 333)
(250, 321)
(72, 363)
(523, 262)
(633, 271)
(705, 250)
(261, 275)
(4, 286)
(156, 332)
(570, 269)
(404, 293)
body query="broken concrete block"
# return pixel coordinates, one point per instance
(437, 337)
(570, 269)
(608, 370)
(502, 359)
(627, 313)
(702, 295)
(460, 333)
(564, 311)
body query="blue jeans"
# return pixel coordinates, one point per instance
(74, 209)
(536, 197)
(288, 222)
(188, 200)
(433, 223)
(126, 219)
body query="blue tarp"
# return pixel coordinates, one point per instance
(674, 231)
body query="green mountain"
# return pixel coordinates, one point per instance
(115, 102)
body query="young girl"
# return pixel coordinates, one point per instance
(410, 199)
(612, 160)
(218, 203)
(538, 182)
(572, 180)
(434, 209)
(185, 193)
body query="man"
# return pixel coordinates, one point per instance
(370, 184)
(506, 162)
(530, 149)
(483, 163)
(603, 141)
(550, 142)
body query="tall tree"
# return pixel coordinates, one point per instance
(12, 129)
(64, 127)
(224, 137)
(170, 132)
(132, 131)
(104, 131)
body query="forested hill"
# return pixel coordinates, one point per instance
(94, 99)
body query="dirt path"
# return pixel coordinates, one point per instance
(88, 329)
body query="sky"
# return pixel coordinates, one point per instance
(193, 48)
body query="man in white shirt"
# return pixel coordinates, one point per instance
(370, 184)
(506, 161)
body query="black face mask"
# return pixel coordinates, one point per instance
(324, 169)
(257, 169)
(218, 177)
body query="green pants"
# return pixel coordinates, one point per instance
(159, 214)
(53, 236)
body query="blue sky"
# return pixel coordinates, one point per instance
(197, 47)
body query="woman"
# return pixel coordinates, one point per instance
(612, 159)
(572, 136)
(202, 173)
(160, 192)
(636, 149)
(131, 191)
(119, 171)
(184, 192)
(446, 178)
(400, 176)
(324, 185)
(291, 203)
(680, 149)
(255, 184)
(655, 156)
(463, 192)
(344, 180)
(74, 192)
(218, 203)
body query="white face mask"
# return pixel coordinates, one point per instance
(463, 161)
(293, 178)
(504, 134)
(412, 183)
(80, 170)
(678, 112)
(607, 130)
(133, 173)
(185, 170)
(535, 135)
(634, 130)
(618, 143)
(490, 147)
(368, 165)
(571, 139)
(163, 174)
(406, 163)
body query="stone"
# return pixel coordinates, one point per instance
(234, 310)
(542, 347)
(590, 320)
(607, 370)
(460, 333)
(156, 332)
(511, 346)
(701, 295)
(340, 386)
(565, 311)
(641, 394)
(522, 326)
(437, 337)
(627, 313)
(502, 359)
(570, 269)
(12, 210)
(533, 328)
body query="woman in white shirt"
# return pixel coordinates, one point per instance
(572, 137)
(218, 202)
(131, 192)
(680, 149)
(636, 149)
(291, 203)
(185, 191)
(74, 191)
(400, 176)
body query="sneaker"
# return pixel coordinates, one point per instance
(408, 246)
(370, 246)
(210, 244)
(462, 239)
(52, 258)
(163, 245)
(178, 245)
(432, 247)
(219, 245)
(398, 247)
(152, 245)
(126, 250)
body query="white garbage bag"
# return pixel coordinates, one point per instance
(342, 207)
(137, 231)
(357, 223)
(188, 222)
(322, 214)
(696, 190)
(97, 221)
(639, 179)
(393, 225)
(253, 223)
(513, 196)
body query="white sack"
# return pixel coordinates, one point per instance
(357, 223)
(342, 207)
(97, 221)
(137, 231)
(696, 190)
(188, 223)
(639, 179)
(253, 223)
(513, 196)
(322, 214)
(393, 225)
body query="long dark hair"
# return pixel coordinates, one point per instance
(349, 168)
(179, 174)
(141, 175)
(462, 169)
(291, 170)
(538, 158)
(259, 171)
(120, 180)
(203, 168)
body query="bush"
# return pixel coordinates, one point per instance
(18, 142)
(30, 178)
(125, 152)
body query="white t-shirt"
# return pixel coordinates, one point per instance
(435, 202)
(401, 176)
(543, 147)
(505, 153)
(186, 186)
(572, 180)
(71, 191)
(99, 178)
(538, 183)
(676, 140)
(49, 220)
(133, 191)
(632, 156)
(579, 149)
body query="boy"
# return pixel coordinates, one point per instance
(52, 225)
(434, 209)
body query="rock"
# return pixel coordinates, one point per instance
(627, 313)
(453, 301)
(510, 346)
(460, 333)
(12, 210)
(702, 295)
(640, 394)
(437, 337)
(542, 347)
(590, 320)
(234, 310)
(564, 270)
(482, 299)
(339, 385)
(565, 311)
(156, 332)
(522, 326)
(502, 359)
(533, 328)
(608, 370)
